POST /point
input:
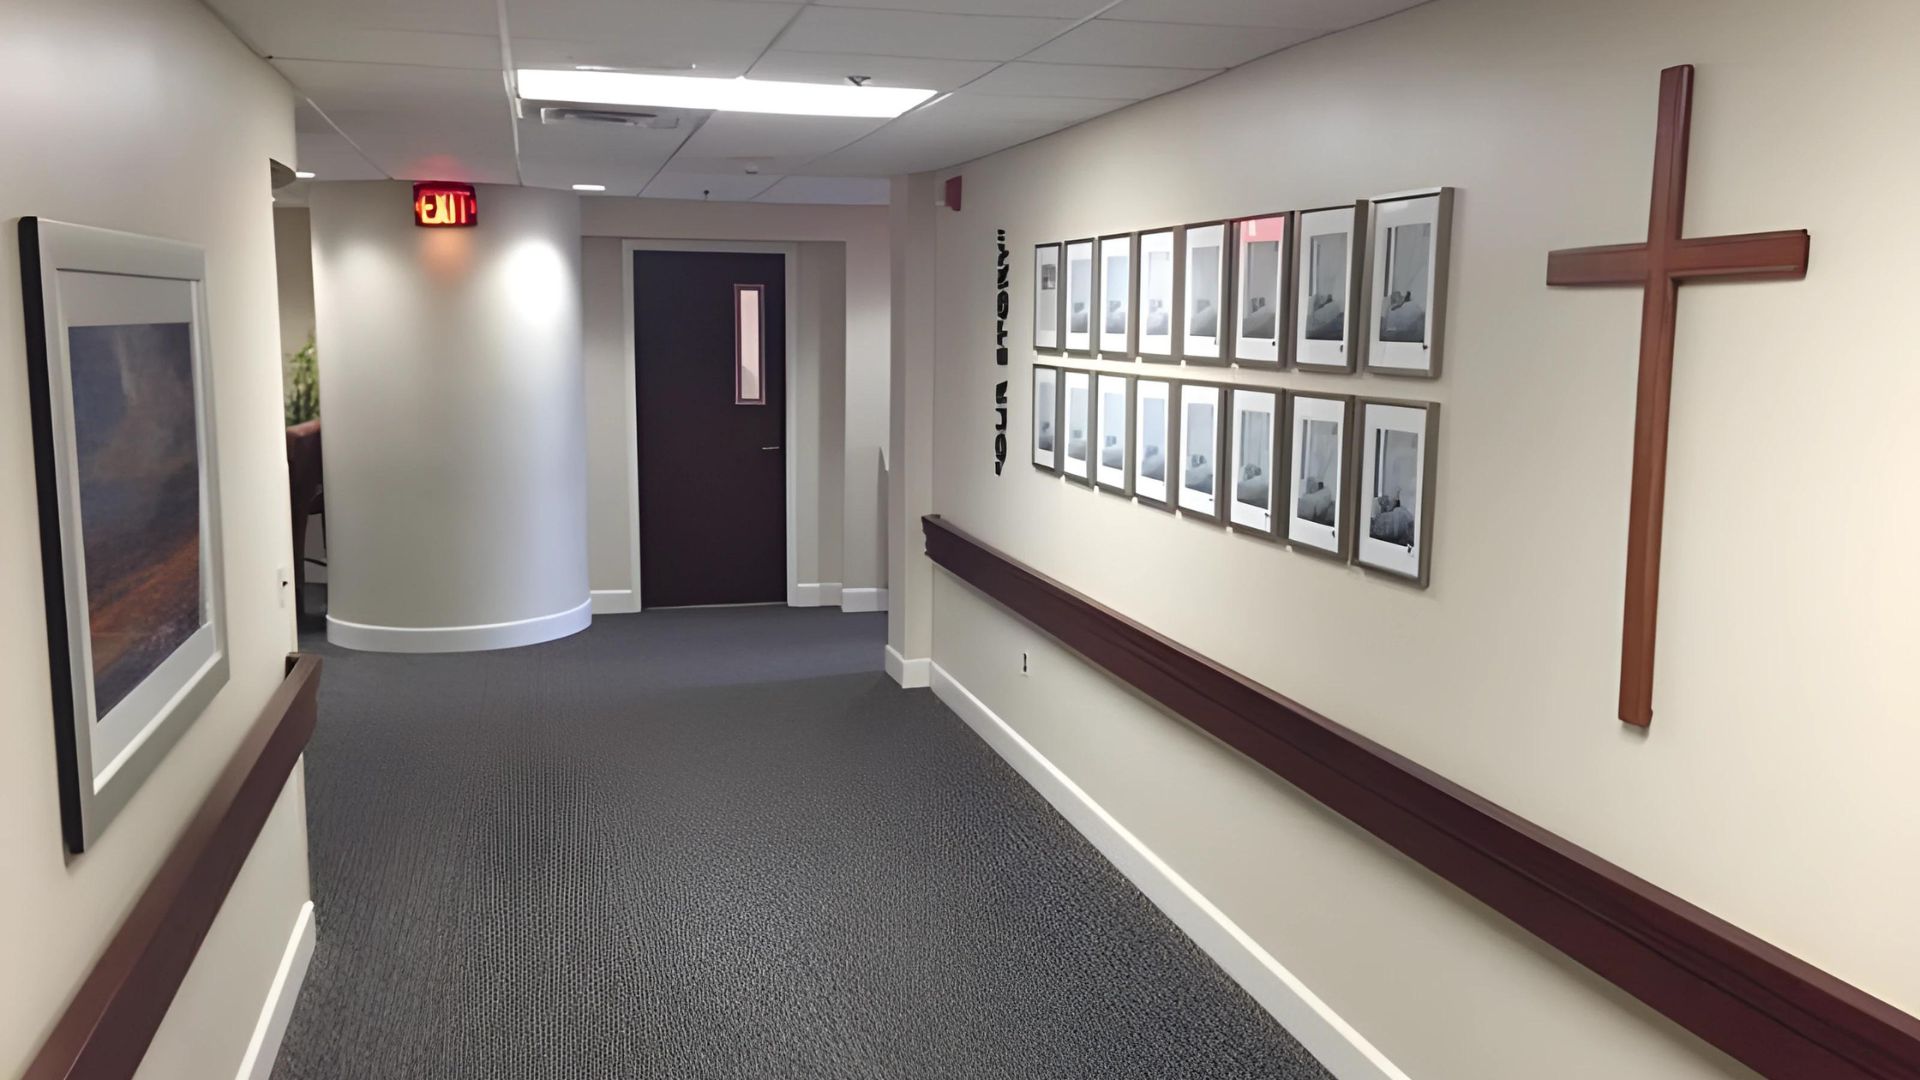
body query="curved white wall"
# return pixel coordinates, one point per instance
(454, 411)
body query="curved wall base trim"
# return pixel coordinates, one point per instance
(445, 639)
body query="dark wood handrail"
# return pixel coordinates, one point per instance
(1776, 1013)
(111, 1021)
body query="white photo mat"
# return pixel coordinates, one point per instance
(1076, 426)
(1260, 288)
(1078, 299)
(1199, 469)
(1153, 322)
(1395, 479)
(1204, 308)
(1046, 296)
(1329, 288)
(1317, 450)
(1114, 288)
(1406, 301)
(1045, 413)
(1154, 446)
(1112, 428)
(1253, 450)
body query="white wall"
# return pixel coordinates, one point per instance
(839, 384)
(293, 254)
(455, 419)
(1775, 788)
(147, 116)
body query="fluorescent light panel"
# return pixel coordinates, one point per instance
(589, 187)
(718, 95)
(303, 175)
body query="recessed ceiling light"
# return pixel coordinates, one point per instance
(589, 187)
(303, 175)
(718, 95)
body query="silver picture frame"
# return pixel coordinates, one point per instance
(134, 421)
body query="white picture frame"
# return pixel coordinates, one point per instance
(1330, 289)
(1076, 426)
(118, 329)
(1410, 240)
(1078, 298)
(1046, 297)
(1201, 435)
(1253, 454)
(1206, 295)
(1155, 441)
(1159, 297)
(1397, 466)
(1262, 292)
(1044, 410)
(1116, 290)
(1320, 473)
(1113, 433)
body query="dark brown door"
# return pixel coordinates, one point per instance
(713, 488)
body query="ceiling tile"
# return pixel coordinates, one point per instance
(280, 22)
(416, 123)
(896, 71)
(836, 190)
(745, 136)
(1112, 41)
(1060, 9)
(1316, 14)
(621, 158)
(961, 128)
(328, 156)
(1026, 79)
(917, 33)
(720, 37)
(735, 188)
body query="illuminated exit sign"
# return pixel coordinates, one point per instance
(439, 205)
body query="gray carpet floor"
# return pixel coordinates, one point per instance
(719, 845)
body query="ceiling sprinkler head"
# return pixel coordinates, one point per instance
(753, 169)
(859, 80)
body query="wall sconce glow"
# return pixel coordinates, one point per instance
(718, 95)
(439, 205)
(589, 187)
(302, 174)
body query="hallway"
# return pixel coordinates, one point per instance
(719, 845)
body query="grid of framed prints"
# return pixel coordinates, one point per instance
(1339, 289)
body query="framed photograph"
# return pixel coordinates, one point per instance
(1411, 236)
(1260, 288)
(1079, 297)
(1115, 289)
(1046, 297)
(1046, 417)
(1319, 433)
(121, 386)
(1396, 487)
(1202, 437)
(1204, 259)
(1076, 425)
(1253, 448)
(1113, 433)
(1159, 292)
(1154, 445)
(1330, 294)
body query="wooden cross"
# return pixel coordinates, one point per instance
(1659, 266)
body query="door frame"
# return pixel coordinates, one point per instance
(790, 260)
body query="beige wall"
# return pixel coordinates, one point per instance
(1775, 788)
(839, 385)
(147, 116)
(293, 255)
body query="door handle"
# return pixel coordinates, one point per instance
(770, 448)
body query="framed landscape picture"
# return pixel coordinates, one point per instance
(1076, 426)
(1112, 433)
(1079, 297)
(1253, 448)
(1203, 319)
(1260, 288)
(1396, 487)
(1046, 417)
(1154, 448)
(123, 429)
(1411, 235)
(1159, 295)
(1201, 438)
(1115, 289)
(1046, 297)
(1330, 290)
(1320, 477)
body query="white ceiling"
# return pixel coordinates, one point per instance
(420, 89)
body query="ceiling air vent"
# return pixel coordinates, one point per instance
(559, 114)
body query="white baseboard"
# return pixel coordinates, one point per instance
(910, 674)
(863, 599)
(815, 594)
(1332, 1040)
(615, 602)
(447, 639)
(281, 996)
